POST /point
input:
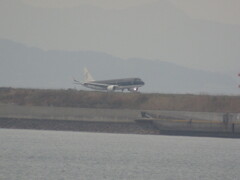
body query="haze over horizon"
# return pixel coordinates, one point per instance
(202, 35)
(197, 34)
(29, 67)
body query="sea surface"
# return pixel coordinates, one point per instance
(59, 155)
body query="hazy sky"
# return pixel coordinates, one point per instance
(201, 34)
(107, 4)
(225, 11)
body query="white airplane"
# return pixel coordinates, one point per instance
(131, 84)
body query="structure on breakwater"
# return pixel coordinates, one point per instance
(219, 124)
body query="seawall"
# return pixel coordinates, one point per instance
(117, 121)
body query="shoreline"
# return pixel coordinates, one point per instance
(103, 127)
(81, 125)
(124, 121)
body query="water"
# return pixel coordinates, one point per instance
(57, 155)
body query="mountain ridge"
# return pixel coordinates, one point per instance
(23, 66)
(157, 30)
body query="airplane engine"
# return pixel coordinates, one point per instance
(133, 89)
(111, 88)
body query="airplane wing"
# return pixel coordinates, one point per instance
(92, 83)
(112, 87)
(100, 84)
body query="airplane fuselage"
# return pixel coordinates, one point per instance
(132, 84)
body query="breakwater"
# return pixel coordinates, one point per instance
(119, 121)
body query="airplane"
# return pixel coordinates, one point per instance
(131, 84)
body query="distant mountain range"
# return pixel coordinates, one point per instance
(153, 30)
(29, 67)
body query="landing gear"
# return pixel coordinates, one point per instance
(135, 89)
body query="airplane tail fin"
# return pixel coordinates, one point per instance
(87, 76)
